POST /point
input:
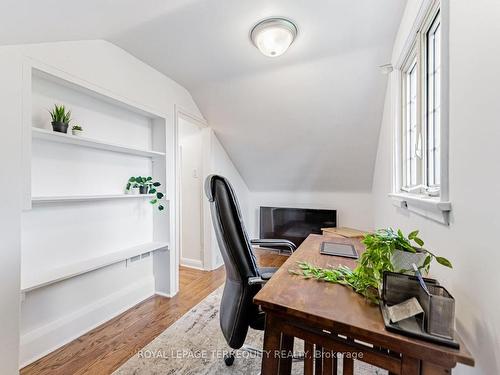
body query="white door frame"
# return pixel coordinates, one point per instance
(180, 112)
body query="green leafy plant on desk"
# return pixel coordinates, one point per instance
(366, 278)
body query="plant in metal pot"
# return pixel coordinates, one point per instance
(366, 278)
(146, 185)
(60, 118)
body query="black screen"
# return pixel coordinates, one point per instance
(294, 224)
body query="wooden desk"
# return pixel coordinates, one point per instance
(319, 312)
(343, 232)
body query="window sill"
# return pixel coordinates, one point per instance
(432, 208)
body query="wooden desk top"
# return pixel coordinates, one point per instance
(344, 232)
(339, 308)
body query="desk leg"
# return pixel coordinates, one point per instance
(308, 358)
(318, 361)
(431, 369)
(285, 362)
(329, 363)
(348, 366)
(410, 366)
(272, 338)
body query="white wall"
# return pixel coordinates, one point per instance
(10, 219)
(114, 70)
(353, 209)
(191, 143)
(53, 315)
(221, 164)
(469, 242)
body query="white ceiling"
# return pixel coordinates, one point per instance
(308, 120)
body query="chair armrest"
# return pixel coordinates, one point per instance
(274, 242)
(256, 280)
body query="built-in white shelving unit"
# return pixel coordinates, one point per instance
(33, 279)
(49, 135)
(83, 198)
(88, 250)
(62, 240)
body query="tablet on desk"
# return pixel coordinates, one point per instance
(339, 250)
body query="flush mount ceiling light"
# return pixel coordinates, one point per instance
(273, 36)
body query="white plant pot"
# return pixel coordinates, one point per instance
(77, 132)
(134, 191)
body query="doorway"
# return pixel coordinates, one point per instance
(191, 175)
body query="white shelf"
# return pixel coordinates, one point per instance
(83, 198)
(33, 279)
(48, 135)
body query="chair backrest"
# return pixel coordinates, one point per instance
(237, 308)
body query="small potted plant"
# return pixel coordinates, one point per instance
(77, 130)
(60, 118)
(145, 185)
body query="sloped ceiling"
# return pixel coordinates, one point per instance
(308, 120)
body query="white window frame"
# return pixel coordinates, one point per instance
(411, 63)
(419, 198)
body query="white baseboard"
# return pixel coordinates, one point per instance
(192, 263)
(44, 340)
(161, 294)
(215, 266)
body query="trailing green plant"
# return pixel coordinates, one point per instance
(59, 114)
(77, 127)
(366, 278)
(150, 185)
(356, 279)
(141, 181)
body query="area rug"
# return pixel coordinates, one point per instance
(195, 345)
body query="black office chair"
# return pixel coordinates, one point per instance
(243, 277)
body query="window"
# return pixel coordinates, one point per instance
(410, 131)
(433, 43)
(420, 85)
(420, 98)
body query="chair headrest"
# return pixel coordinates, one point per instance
(210, 185)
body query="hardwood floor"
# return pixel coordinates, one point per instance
(105, 348)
